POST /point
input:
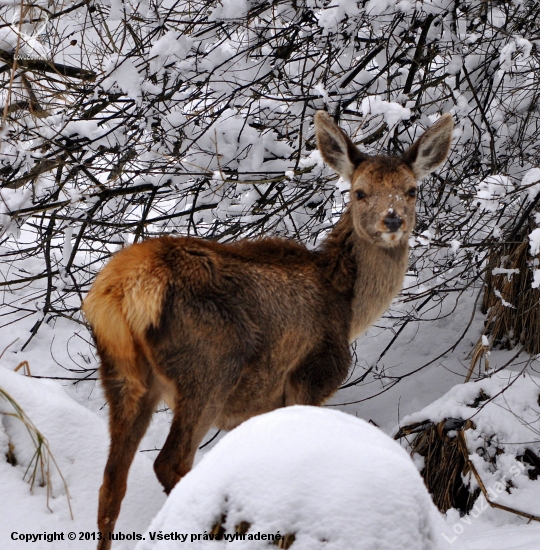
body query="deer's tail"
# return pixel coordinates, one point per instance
(124, 301)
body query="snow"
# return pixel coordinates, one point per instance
(534, 241)
(491, 190)
(169, 45)
(503, 301)
(507, 272)
(488, 537)
(333, 13)
(230, 9)
(536, 278)
(233, 143)
(393, 112)
(425, 238)
(124, 76)
(532, 180)
(320, 90)
(332, 480)
(525, 45)
(505, 59)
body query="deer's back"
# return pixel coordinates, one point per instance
(255, 291)
(272, 282)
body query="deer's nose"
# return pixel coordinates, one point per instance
(393, 222)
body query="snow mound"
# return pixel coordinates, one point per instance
(78, 441)
(331, 480)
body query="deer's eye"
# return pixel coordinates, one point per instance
(411, 192)
(360, 195)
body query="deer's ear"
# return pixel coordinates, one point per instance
(336, 148)
(430, 150)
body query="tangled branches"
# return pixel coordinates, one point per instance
(124, 120)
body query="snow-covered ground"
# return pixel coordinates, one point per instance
(78, 442)
(73, 419)
(72, 416)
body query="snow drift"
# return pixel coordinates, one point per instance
(498, 418)
(77, 440)
(331, 480)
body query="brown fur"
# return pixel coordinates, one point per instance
(223, 332)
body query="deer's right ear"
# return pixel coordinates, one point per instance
(336, 148)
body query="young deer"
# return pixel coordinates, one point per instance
(223, 332)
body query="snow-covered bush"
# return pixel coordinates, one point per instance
(320, 479)
(484, 445)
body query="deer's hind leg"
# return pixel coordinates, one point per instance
(319, 375)
(204, 366)
(129, 416)
(192, 419)
(203, 383)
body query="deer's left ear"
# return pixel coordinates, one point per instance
(430, 150)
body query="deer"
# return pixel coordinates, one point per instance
(222, 332)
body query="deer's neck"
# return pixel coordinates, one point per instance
(369, 276)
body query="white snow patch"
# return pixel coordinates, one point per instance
(230, 9)
(491, 189)
(123, 74)
(455, 245)
(170, 44)
(313, 159)
(534, 241)
(78, 441)
(503, 301)
(508, 272)
(392, 112)
(321, 90)
(536, 278)
(425, 238)
(218, 175)
(330, 16)
(532, 179)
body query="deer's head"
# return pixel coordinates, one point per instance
(383, 188)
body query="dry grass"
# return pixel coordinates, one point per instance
(444, 463)
(511, 305)
(39, 468)
(218, 530)
(447, 463)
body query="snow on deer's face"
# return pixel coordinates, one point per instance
(383, 198)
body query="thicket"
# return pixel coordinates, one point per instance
(127, 120)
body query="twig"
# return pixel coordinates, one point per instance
(465, 453)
